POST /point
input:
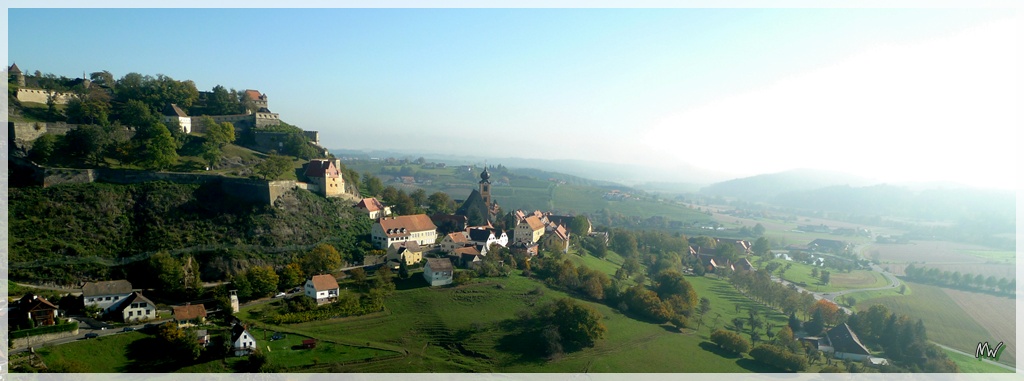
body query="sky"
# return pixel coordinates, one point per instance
(891, 94)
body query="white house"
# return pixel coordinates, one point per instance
(485, 237)
(438, 271)
(242, 342)
(416, 227)
(135, 308)
(322, 288)
(174, 115)
(105, 295)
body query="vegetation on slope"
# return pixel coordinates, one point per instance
(65, 233)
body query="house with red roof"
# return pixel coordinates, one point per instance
(322, 288)
(373, 208)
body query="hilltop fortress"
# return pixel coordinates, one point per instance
(257, 123)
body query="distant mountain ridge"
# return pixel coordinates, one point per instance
(769, 186)
(626, 174)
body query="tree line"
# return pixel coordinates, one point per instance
(977, 282)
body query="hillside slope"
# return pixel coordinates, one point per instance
(64, 233)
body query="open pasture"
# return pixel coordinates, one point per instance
(467, 328)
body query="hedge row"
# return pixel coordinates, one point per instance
(66, 327)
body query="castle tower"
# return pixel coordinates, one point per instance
(15, 72)
(485, 187)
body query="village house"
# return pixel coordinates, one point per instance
(438, 271)
(189, 315)
(466, 256)
(454, 241)
(136, 308)
(322, 288)
(373, 208)
(203, 338)
(242, 342)
(105, 295)
(449, 223)
(484, 238)
(32, 311)
(528, 249)
(529, 229)
(389, 230)
(412, 251)
(325, 177)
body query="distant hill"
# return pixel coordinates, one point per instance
(768, 186)
(626, 174)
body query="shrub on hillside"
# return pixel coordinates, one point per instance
(778, 357)
(730, 341)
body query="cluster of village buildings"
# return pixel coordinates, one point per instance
(414, 240)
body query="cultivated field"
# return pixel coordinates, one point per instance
(945, 256)
(995, 314)
(946, 321)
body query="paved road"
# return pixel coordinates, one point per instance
(999, 364)
(84, 331)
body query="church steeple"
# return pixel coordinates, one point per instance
(485, 187)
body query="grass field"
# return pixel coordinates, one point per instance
(460, 329)
(106, 354)
(972, 365)
(945, 256)
(946, 321)
(838, 280)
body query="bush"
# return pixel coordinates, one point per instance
(730, 341)
(778, 357)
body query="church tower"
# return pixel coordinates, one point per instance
(485, 188)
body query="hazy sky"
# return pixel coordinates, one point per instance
(894, 94)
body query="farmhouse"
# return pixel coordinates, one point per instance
(438, 271)
(322, 288)
(828, 245)
(105, 295)
(841, 341)
(373, 208)
(189, 315)
(33, 311)
(242, 342)
(136, 308)
(389, 230)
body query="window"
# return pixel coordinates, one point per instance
(108, 298)
(148, 312)
(116, 297)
